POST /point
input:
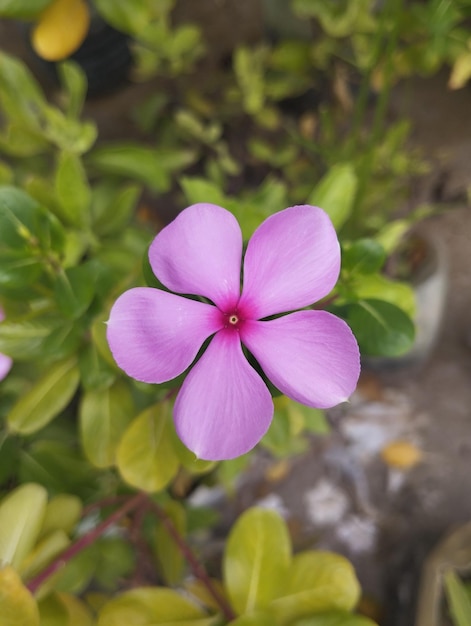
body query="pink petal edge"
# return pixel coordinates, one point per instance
(223, 408)
(154, 335)
(200, 253)
(5, 365)
(311, 356)
(292, 261)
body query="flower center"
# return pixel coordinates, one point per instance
(233, 320)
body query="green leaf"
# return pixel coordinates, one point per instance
(95, 371)
(115, 561)
(256, 560)
(17, 605)
(392, 233)
(20, 95)
(77, 574)
(72, 189)
(62, 513)
(129, 18)
(18, 270)
(67, 134)
(113, 208)
(45, 399)
(201, 190)
(379, 287)
(75, 82)
(258, 618)
(152, 606)
(21, 518)
(43, 553)
(133, 161)
(249, 71)
(22, 9)
(104, 416)
(458, 599)
(381, 328)
(24, 339)
(334, 618)
(283, 437)
(18, 213)
(364, 256)
(169, 556)
(335, 193)
(145, 456)
(74, 289)
(64, 609)
(59, 467)
(317, 581)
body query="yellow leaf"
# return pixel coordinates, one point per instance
(401, 454)
(461, 71)
(145, 456)
(61, 29)
(17, 605)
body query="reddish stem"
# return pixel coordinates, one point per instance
(84, 542)
(195, 565)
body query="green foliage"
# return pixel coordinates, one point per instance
(21, 516)
(22, 9)
(256, 560)
(381, 328)
(459, 601)
(17, 605)
(146, 457)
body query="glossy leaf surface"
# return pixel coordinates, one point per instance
(256, 560)
(21, 518)
(46, 399)
(145, 456)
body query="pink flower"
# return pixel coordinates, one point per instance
(224, 407)
(5, 361)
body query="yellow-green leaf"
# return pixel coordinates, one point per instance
(21, 518)
(46, 399)
(458, 598)
(145, 455)
(256, 560)
(104, 416)
(62, 513)
(17, 605)
(64, 609)
(72, 189)
(461, 71)
(168, 554)
(151, 606)
(317, 581)
(335, 193)
(44, 552)
(380, 287)
(255, 619)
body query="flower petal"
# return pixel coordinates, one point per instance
(5, 365)
(224, 408)
(311, 356)
(154, 335)
(200, 253)
(292, 260)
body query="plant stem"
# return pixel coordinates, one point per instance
(85, 541)
(195, 565)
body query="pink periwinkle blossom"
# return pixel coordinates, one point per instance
(292, 260)
(5, 361)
